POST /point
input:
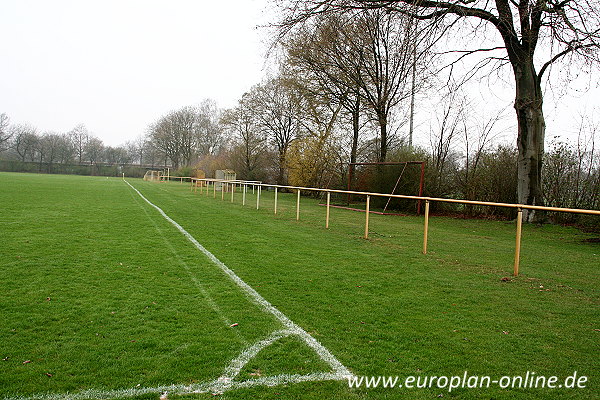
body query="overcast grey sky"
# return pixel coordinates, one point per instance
(117, 66)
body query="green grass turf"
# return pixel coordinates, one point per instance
(129, 295)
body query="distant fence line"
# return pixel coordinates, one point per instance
(230, 186)
(100, 169)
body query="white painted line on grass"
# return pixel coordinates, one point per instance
(207, 387)
(321, 351)
(226, 381)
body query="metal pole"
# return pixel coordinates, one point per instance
(232, 191)
(214, 189)
(367, 217)
(275, 201)
(412, 93)
(244, 195)
(327, 213)
(518, 241)
(426, 227)
(298, 206)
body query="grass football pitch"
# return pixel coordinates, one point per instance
(104, 297)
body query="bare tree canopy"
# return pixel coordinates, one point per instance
(561, 29)
(5, 132)
(79, 136)
(276, 111)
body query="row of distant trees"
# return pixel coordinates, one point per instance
(25, 143)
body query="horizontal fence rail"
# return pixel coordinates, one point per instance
(227, 185)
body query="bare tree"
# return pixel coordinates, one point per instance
(368, 56)
(560, 29)
(208, 133)
(387, 63)
(450, 124)
(5, 132)
(477, 139)
(249, 141)
(173, 134)
(136, 150)
(24, 141)
(152, 154)
(79, 137)
(182, 134)
(116, 155)
(276, 114)
(330, 66)
(65, 149)
(182, 123)
(94, 149)
(573, 170)
(50, 144)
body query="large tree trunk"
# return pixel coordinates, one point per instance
(281, 168)
(383, 137)
(531, 135)
(355, 130)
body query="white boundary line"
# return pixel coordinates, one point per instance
(226, 381)
(267, 307)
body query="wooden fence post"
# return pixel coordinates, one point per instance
(232, 191)
(258, 198)
(298, 206)
(244, 195)
(518, 242)
(426, 227)
(275, 201)
(327, 212)
(367, 217)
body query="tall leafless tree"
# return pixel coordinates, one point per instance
(275, 109)
(208, 133)
(248, 139)
(24, 141)
(5, 132)
(330, 66)
(79, 137)
(174, 135)
(94, 149)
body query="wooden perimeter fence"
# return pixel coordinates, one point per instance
(230, 186)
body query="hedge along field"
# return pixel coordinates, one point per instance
(124, 310)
